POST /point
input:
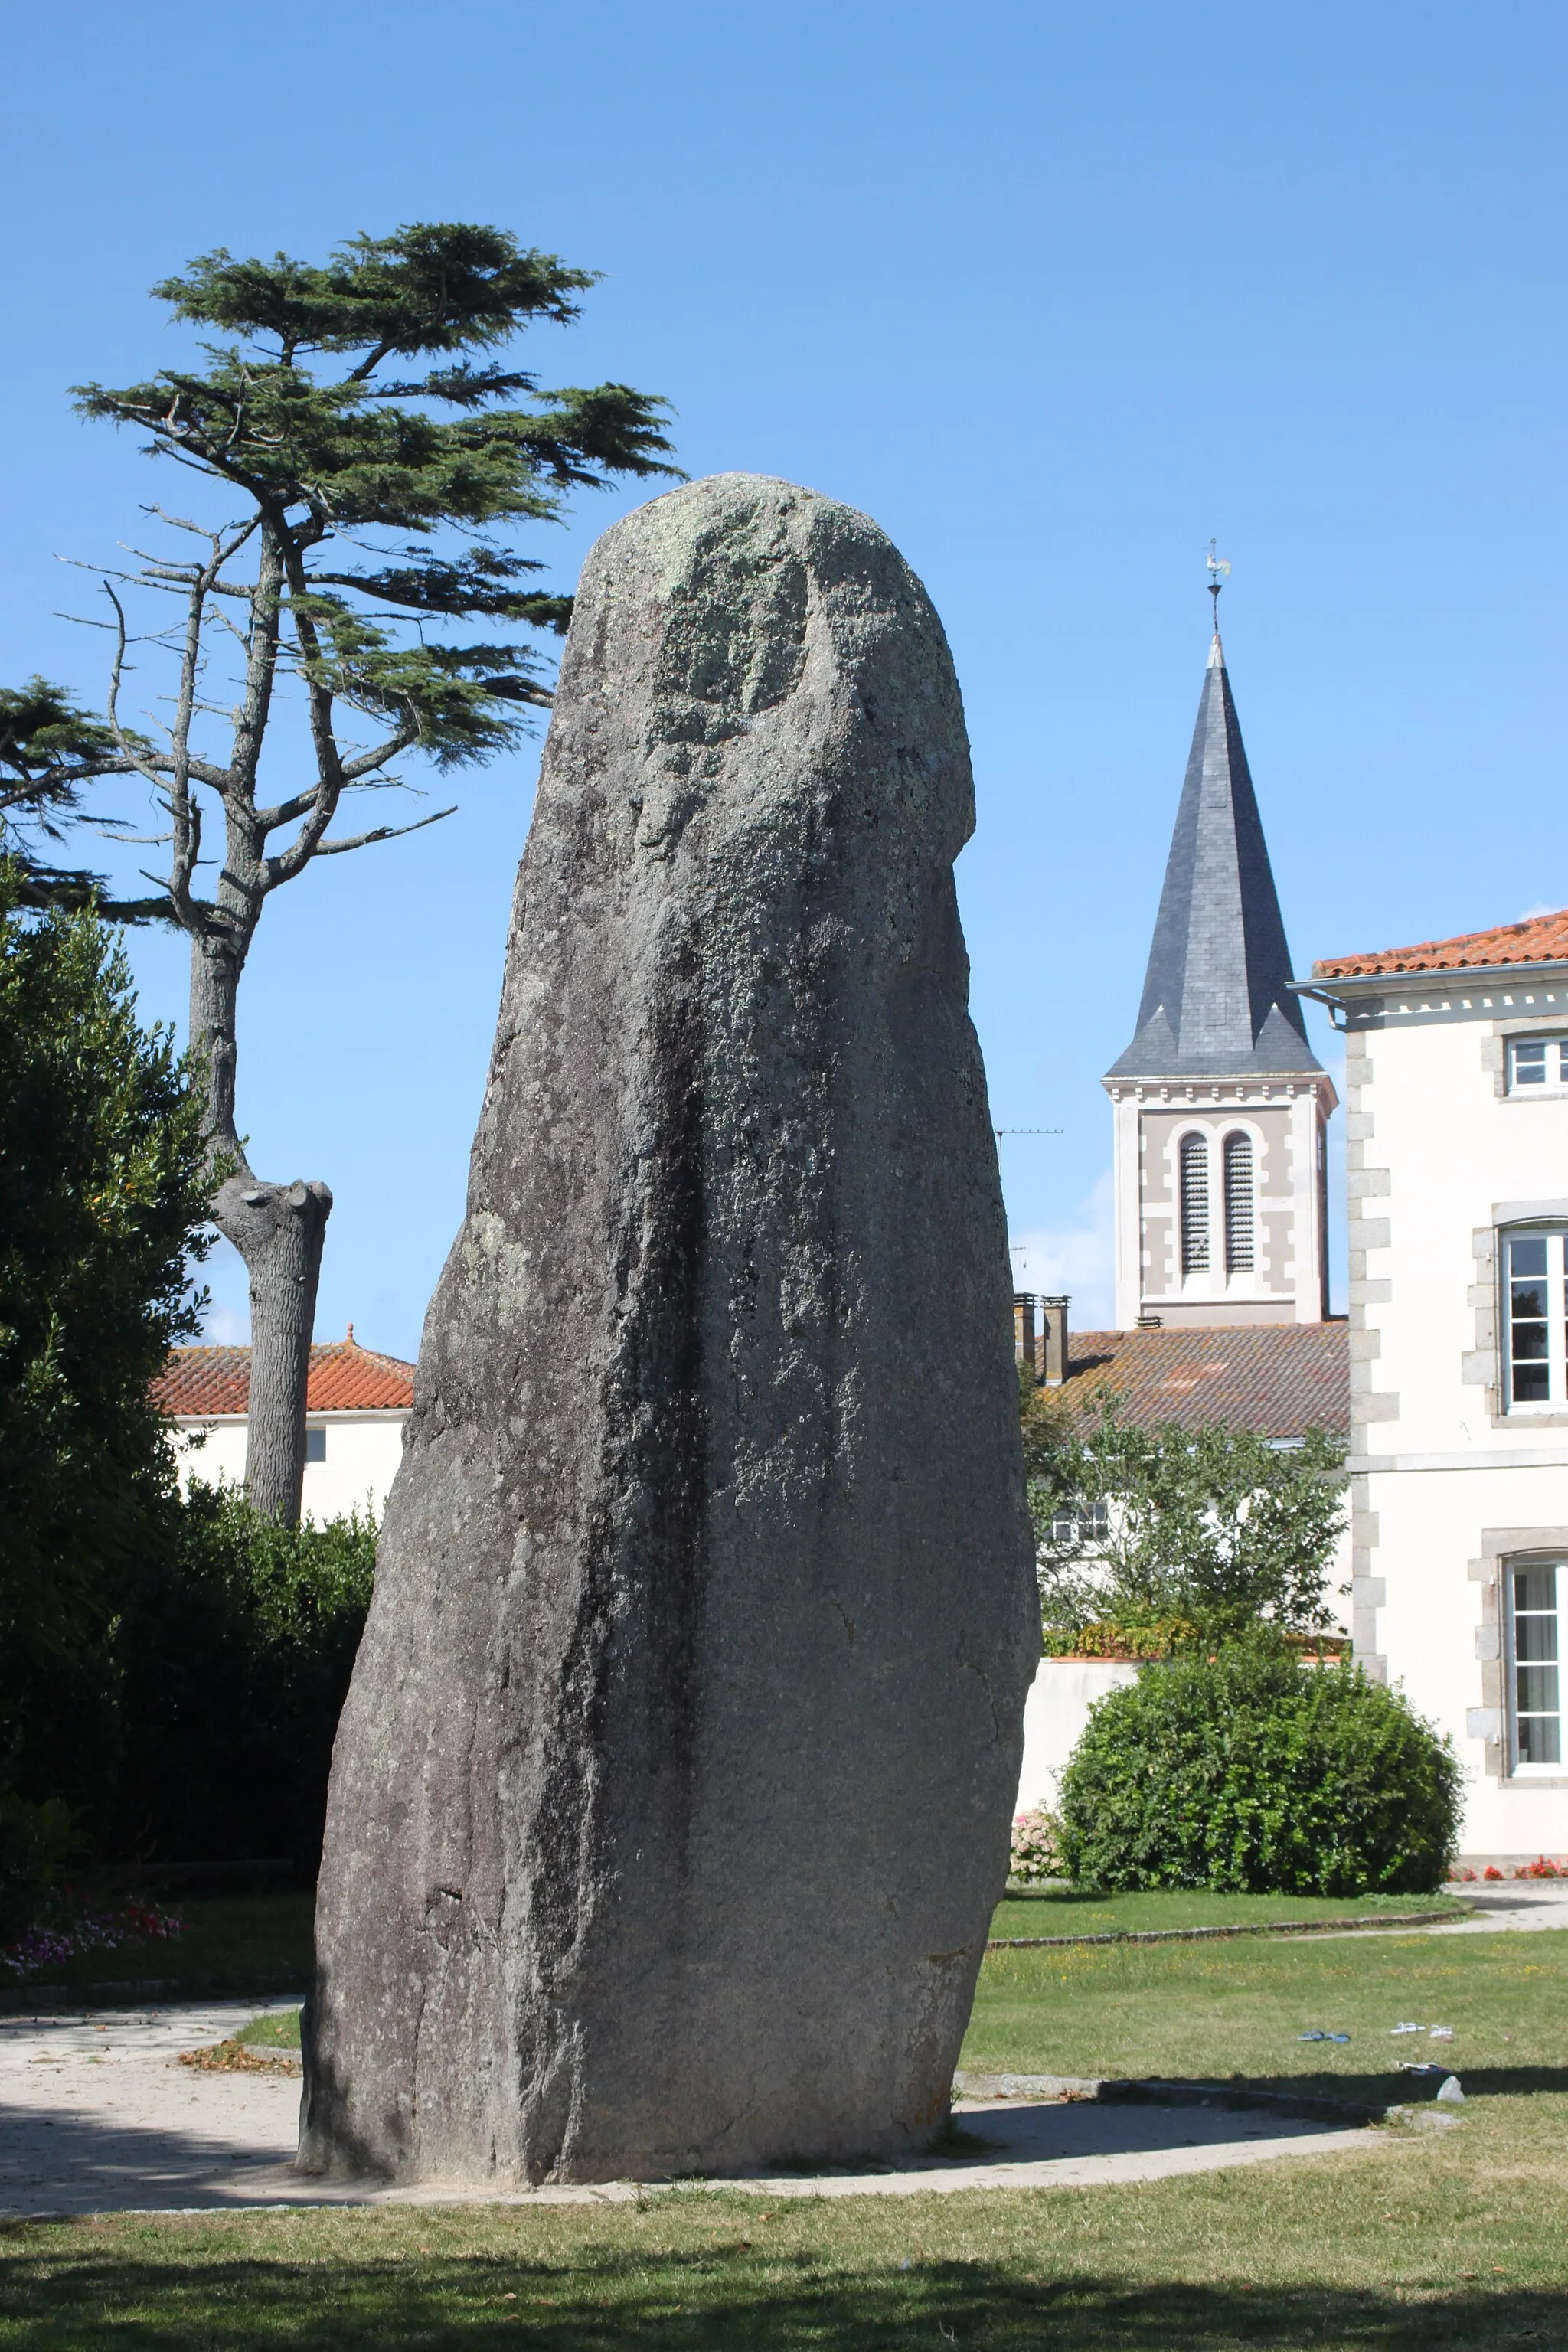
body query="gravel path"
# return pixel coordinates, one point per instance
(97, 2114)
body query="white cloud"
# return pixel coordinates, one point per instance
(1530, 913)
(1078, 1258)
(225, 1326)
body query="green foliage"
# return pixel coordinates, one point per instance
(1204, 1531)
(335, 453)
(1123, 1635)
(1252, 1773)
(35, 1842)
(101, 1200)
(235, 1651)
(47, 748)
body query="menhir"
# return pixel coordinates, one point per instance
(672, 1794)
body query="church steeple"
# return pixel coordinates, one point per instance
(1221, 1105)
(1216, 995)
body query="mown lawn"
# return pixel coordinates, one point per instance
(1223, 2009)
(1457, 2239)
(262, 1943)
(1064, 1911)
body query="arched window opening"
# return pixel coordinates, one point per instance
(1238, 1215)
(1194, 1204)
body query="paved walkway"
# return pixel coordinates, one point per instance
(97, 2114)
(1516, 1904)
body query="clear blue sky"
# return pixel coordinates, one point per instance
(1052, 293)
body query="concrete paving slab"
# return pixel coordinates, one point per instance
(1514, 1905)
(98, 2115)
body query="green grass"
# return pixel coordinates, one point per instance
(232, 1943)
(1365, 2252)
(1455, 2240)
(262, 1943)
(1218, 2009)
(1067, 1911)
(278, 2029)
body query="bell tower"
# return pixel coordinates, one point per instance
(1220, 1105)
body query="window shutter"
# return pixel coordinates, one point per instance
(1194, 1204)
(1238, 1214)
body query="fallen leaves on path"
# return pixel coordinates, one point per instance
(233, 2058)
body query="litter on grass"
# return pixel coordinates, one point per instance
(1317, 2034)
(1420, 2066)
(1439, 2033)
(1407, 2028)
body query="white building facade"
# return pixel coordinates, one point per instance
(1456, 1070)
(357, 1402)
(350, 1458)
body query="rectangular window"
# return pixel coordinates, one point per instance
(1538, 1066)
(1533, 1653)
(315, 1446)
(1534, 1281)
(1082, 1523)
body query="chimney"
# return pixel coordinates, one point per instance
(1040, 1337)
(1051, 1366)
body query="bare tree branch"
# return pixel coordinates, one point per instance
(382, 832)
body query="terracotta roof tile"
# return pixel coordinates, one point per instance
(1279, 1379)
(1541, 938)
(343, 1377)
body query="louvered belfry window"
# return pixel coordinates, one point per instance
(1194, 1204)
(1238, 1222)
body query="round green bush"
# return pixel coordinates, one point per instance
(1253, 1774)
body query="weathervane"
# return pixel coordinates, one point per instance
(1219, 573)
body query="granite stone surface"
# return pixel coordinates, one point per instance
(672, 1794)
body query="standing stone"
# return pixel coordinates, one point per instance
(672, 1793)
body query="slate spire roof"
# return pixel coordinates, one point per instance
(1217, 996)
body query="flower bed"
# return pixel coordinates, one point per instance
(1542, 1867)
(52, 1942)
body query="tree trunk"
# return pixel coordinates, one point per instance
(277, 1229)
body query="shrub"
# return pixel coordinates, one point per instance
(1106, 1637)
(1255, 1774)
(1037, 1852)
(35, 1843)
(1217, 1528)
(235, 1652)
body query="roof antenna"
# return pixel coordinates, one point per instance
(1219, 573)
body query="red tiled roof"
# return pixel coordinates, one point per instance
(343, 1377)
(1279, 1379)
(1541, 938)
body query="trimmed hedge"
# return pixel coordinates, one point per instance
(1253, 1774)
(235, 1652)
